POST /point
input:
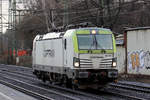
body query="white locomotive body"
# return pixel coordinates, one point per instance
(83, 56)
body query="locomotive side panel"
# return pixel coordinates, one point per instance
(49, 55)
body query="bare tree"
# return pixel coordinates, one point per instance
(102, 13)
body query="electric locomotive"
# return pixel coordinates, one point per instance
(77, 57)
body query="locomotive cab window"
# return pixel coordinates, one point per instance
(95, 42)
(65, 44)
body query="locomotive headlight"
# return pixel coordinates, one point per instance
(114, 62)
(93, 31)
(76, 62)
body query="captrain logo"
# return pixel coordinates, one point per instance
(48, 53)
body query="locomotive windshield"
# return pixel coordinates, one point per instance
(94, 42)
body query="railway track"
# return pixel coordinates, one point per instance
(122, 95)
(128, 86)
(42, 92)
(20, 72)
(28, 92)
(20, 69)
(68, 93)
(110, 93)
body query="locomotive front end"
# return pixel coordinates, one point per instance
(96, 62)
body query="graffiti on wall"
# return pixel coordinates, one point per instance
(147, 60)
(138, 60)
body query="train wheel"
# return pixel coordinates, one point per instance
(50, 78)
(67, 82)
(64, 81)
(43, 78)
(75, 87)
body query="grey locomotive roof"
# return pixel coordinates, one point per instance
(137, 28)
(95, 28)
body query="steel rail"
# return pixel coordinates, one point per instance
(4, 69)
(132, 87)
(28, 68)
(123, 95)
(120, 82)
